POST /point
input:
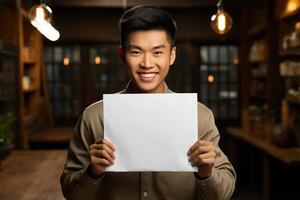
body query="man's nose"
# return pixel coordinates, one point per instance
(147, 61)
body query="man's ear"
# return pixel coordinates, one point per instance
(122, 54)
(173, 55)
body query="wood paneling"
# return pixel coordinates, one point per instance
(53, 135)
(8, 25)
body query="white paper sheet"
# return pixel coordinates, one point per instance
(151, 132)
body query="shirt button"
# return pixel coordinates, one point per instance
(145, 194)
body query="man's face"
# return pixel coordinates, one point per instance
(148, 56)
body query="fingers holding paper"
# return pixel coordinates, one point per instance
(203, 155)
(102, 155)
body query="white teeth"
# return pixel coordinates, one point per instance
(148, 75)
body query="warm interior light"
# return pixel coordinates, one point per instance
(297, 26)
(40, 12)
(236, 61)
(97, 60)
(47, 30)
(40, 17)
(210, 78)
(66, 61)
(221, 22)
(292, 5)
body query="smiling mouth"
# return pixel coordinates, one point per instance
(147, 76)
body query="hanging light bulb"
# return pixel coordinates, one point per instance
(292, 5)
(221, 22)
(40, 17)
(40, 12)
(48, 31)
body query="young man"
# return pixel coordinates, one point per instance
(147, 50)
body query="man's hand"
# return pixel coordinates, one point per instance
(203, 155)
(101, 156)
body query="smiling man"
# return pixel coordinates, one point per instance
(147, 50)
(148, 56)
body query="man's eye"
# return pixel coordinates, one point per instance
(135, 52)
(158, 53)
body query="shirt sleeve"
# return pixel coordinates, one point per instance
(221, 183)
(75, 181)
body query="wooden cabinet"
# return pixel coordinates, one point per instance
(30, 62)
(274, 68)
(258, 69)
(262, 99)
(16, 29)
(289, 54)
(30, 42)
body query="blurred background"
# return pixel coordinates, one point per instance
(242, 58)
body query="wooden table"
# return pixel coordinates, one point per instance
(289, 156)
(32, 175)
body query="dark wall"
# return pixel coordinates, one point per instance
(87, 24)
(101, 24)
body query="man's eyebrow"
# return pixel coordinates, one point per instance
(159, 47)
(132, 46)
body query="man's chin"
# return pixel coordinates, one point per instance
(146, 88)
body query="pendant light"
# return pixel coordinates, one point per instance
(40, 16)
(221, 22)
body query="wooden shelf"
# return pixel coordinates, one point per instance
(30, 55)
(261, 53)
(294, 102)
(30, 90)
(289, 59)
(260, 76)
(290, 54)
(258, 97)
(28, 119)
(295, 76)
(267, 151)
(53, 135)
(290, 156)
(30, 62)
(257, 61)
(259, 30)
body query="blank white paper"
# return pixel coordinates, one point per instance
(151, 132)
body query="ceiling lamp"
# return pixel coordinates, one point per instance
(40, 17)
(221, 22)
(292, 6)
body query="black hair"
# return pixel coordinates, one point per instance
(147, 18)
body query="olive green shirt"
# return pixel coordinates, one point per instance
(76, 183)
